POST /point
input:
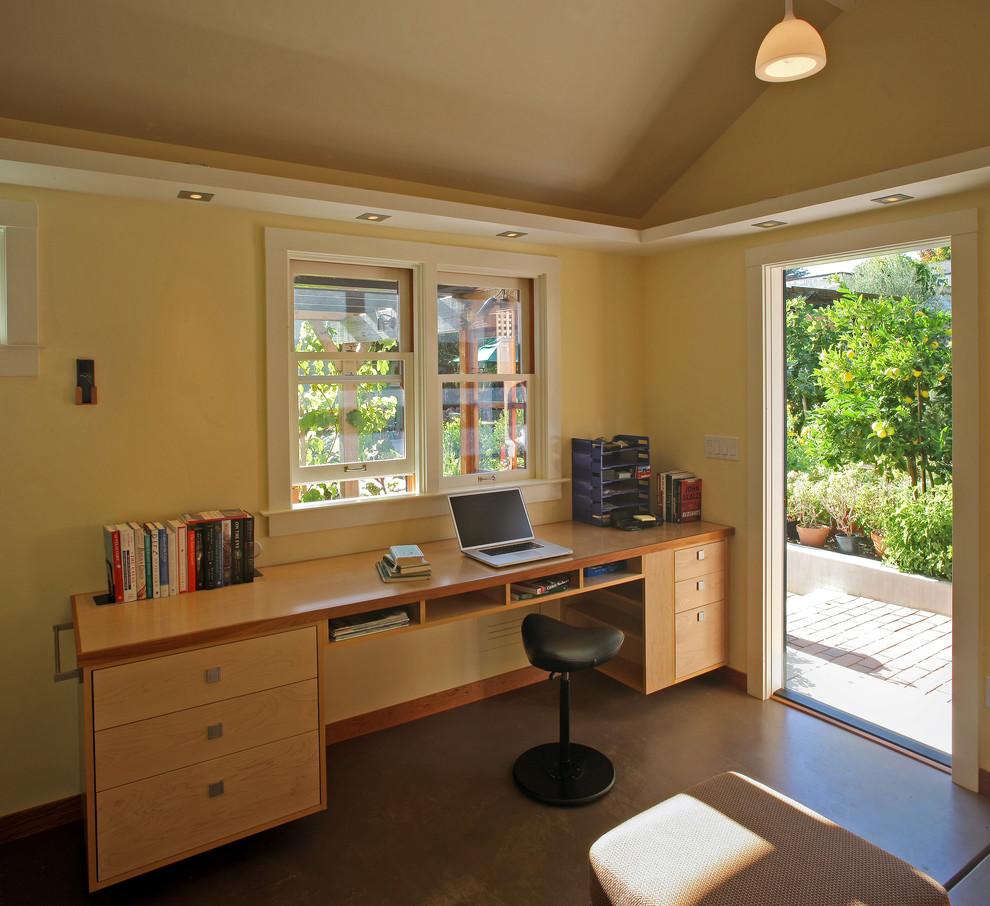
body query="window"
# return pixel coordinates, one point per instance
(399, 371)
(20, 353)
(485, 364)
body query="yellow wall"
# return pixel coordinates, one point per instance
(168, 298)
(701, 388)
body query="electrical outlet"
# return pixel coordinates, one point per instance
(719, 447)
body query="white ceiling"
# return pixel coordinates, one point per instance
(594, 106)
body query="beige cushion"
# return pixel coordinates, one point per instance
(731, 841)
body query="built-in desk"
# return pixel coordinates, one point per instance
(203, 713)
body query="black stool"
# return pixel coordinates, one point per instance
(563, 773)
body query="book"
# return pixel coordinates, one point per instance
(173, 558)
(182, 555)
(128, 568)
(421, 569)
(665, 492)
(155, 587)
(387, 576)
(247, 528)
(365, 623)
(541, 586)
(140, 559)
(163, 581)
(111, 552)
(688, 499)
(236, 546)
(405, 555)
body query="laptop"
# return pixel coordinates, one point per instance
(493, 526)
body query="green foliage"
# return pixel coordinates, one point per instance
(897, 276)
(492, 440)
(805, 501)
(810, 332)
(887, 381)
(840, 493)
(919, 534)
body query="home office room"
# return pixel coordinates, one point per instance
(322, 275)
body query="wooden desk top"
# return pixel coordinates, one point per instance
(296, 594)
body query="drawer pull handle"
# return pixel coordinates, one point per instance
(213, 675)
(701, 585)
(701, 554)
(701, 616)
(214, 731)
(216, 789)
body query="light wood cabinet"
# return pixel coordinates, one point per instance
(196, 748)
(203, 716)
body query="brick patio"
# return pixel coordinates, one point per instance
(888, 664)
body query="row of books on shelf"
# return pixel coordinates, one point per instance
(403, 561)
(193, 552)
(679, 496)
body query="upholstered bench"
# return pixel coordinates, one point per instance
(731, 841)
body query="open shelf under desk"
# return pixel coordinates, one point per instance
(609, 610)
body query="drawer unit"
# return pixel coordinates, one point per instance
(142, 823)
(195, 748)
(175, 681)
(159, 744)
(699, 639)
(699, 560)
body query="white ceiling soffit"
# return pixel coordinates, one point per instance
(100, 173)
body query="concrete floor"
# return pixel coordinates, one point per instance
(426, 814)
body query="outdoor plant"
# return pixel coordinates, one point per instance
(840, 492)
(919, 534)
(805, 502)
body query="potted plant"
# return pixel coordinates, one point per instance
(840, 497)
(878, 498)
(805, 504)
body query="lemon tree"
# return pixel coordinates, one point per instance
(886, 382)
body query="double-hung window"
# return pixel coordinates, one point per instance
(400, 371)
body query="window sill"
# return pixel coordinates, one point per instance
(350, 514)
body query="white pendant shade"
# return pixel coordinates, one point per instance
(791, 50)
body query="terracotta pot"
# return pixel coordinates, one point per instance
(813, 535)
(878, 543)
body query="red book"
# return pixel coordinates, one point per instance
(115, 571)
(690, 500)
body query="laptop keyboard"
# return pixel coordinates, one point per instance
(512, 548)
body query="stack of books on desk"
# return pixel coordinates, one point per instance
(367, 623)
(403, 561)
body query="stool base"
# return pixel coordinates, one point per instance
(591, 774)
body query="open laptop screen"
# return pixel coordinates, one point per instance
(484, 518)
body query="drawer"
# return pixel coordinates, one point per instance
(155, 819)
(699, 560)
(173, 682)
(699, 639)
(157, 745)
(701, 590)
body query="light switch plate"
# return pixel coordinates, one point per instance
(720, 447)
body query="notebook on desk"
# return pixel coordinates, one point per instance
(493, 526)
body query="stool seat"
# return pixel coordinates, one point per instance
(558, 648)
(562, 773)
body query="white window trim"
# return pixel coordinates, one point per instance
(764, 522)
(426, 260)
(20, 354)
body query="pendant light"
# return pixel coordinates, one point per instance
(791, 50)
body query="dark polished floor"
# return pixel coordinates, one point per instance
(426, 814)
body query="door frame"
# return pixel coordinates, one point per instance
(766, 433)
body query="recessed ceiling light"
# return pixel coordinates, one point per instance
(769, 224)
(511, 234)
(190, 195)
(892, 199)
(373, 217)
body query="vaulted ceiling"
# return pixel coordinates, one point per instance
(594, 106)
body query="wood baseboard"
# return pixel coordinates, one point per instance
(734, 677)
(40, 818)
(431, 704)
(984, 784)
